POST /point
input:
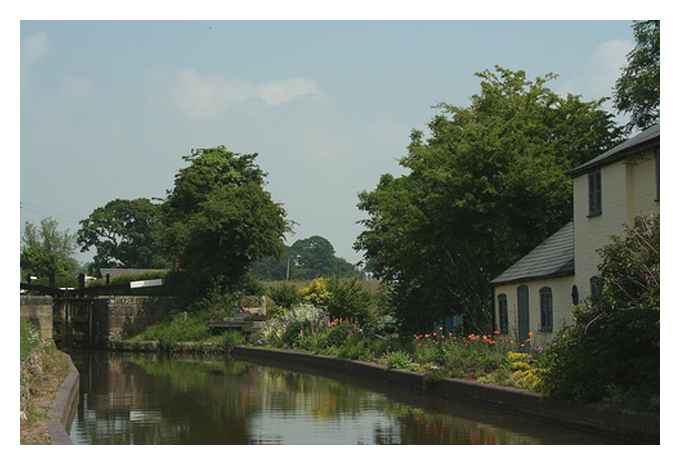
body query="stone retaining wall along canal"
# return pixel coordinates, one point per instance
(38, 310)
(638, 428)
(63, 407)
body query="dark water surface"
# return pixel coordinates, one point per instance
(155, 399)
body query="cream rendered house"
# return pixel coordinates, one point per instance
(539, 291)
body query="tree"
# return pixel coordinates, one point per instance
(638, 89)
(306, 259)
(488, 185)
(125, 233)
(220, 219)
(313, 257)
(47, 252)
(612, 349)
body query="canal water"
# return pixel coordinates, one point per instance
(130, 398)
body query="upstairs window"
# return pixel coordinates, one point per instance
(546, 310)
(595, 193)
(503, 313)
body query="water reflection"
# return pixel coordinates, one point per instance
(151, 399)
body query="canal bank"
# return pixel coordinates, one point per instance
(627, 426)
(181, 398)
(49, 395)
(631, 427)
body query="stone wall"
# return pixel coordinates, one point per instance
(118, 317)
(38, 310)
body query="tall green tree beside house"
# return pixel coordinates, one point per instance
(124, 233)
(46, 252)
(219, 218)
(638, 89)
(487, 185)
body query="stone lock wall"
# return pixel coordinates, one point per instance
(38, 310)
(118, 317)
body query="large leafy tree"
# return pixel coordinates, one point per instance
(638, 89)
(124, 233)
(47, 252)
(488, 184)
(220, 218)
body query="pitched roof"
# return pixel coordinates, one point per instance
(553, 257)
(645, 139)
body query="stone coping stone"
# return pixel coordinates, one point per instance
(636, 428)
(63, 407)
(36, 300)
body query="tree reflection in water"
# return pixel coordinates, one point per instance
(154, 399)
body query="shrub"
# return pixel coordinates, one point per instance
(216, 305)
(182, 327)
(284, 295)
(348, 299)
(231, 339)
(291, 321)
(397, 359)
(317, 293)
(614, 344)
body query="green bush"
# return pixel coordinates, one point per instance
(231, 339)
(613, 347)
(349, 299)
(284, 295)
(397, 360)
(182, 327)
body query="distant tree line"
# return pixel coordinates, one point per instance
(305, 259)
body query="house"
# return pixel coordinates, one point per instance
(537, 293)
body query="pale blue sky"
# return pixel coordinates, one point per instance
(108, 108)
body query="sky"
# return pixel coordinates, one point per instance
(109, 108)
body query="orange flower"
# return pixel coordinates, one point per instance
(530, 334)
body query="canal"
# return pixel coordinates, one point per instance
(130, 398)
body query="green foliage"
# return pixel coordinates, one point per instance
(284, 295)
(29, 339)
(128, 277)
(348, 299)
(488, 184)
(638, 89)
(181, 327)
(306, 259)
(397, 359)
(47, 253)
(220, 219)
(232, 339)
(614, 344)
(125, 233)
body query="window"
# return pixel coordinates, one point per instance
(503, 313)
(595, 287)
(546, 310)
(574, 294)
(595, 193)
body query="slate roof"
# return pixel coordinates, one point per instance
(645, 139)
(553, 257)
(113, 272)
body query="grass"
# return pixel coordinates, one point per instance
(40, 379)
(28, 340)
